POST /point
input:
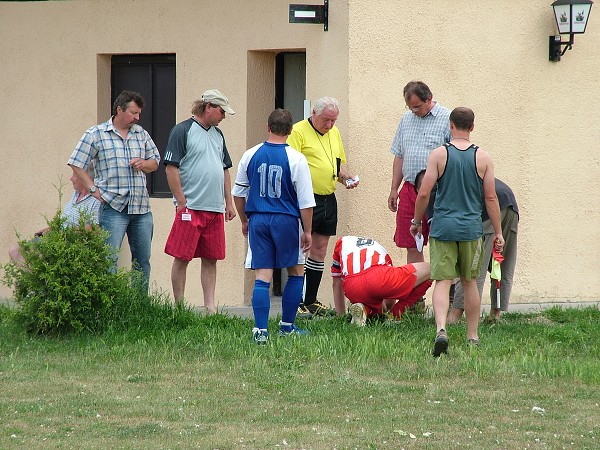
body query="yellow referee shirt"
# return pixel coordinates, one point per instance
(322, 153)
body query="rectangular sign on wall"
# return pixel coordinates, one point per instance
(310, 14)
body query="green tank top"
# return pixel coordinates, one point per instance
(458, 203)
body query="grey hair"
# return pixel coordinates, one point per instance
(325, 103)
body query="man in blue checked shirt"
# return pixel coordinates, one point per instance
(424, 126)
(122, 153)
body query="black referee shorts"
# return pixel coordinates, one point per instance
(325, 215)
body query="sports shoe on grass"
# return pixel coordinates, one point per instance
(359, 314)
(319, 309)
(472, 342)
(260, 336)
(292, 330)
(303, 313)
(440, 345)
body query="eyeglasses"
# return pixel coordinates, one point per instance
(415, 108)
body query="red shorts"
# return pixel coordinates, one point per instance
(406, 212)
(377, 283)
(201, 237)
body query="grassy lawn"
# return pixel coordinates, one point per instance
(533, 383)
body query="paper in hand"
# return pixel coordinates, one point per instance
(351, 181)
(419, 240)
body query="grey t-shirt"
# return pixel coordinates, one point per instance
(201, 156)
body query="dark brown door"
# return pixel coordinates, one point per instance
(153, 76)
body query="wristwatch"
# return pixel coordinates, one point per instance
(93, 189)
(415, 223)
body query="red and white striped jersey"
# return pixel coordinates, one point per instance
(354, 254)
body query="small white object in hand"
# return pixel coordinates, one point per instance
(419, 240)
(352, 181)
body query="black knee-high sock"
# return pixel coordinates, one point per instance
(313, 271)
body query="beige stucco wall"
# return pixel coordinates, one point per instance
(538, 119)
(54, 83)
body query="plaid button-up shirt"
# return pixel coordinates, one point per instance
(119, 184)
(417, 136)
(73, 210)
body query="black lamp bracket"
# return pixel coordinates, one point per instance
(568, 45)
(555, 46)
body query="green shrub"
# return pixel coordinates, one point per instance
(66, 284)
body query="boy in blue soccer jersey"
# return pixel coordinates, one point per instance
(274, 199)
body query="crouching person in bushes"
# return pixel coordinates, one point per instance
(80, 203)
(63, 282)
(362, 270)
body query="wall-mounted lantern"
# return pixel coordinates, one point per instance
(571, 18)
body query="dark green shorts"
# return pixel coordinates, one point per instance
(453, 259)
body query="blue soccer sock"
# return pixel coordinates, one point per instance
(261, 304)
(292, 296)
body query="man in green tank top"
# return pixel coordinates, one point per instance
(463, 172)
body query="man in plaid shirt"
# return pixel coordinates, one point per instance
(122, 153)
(424, 126)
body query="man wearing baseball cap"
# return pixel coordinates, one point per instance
(197, 166)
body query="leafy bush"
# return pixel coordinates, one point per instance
(66, 284)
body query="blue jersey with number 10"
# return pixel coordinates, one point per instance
(275, 178)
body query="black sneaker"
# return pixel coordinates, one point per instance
(440, 345)
(319, 309)
(302, 312)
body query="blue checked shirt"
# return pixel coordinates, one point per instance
(120, 185)
(73, 210)
(417, 136)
